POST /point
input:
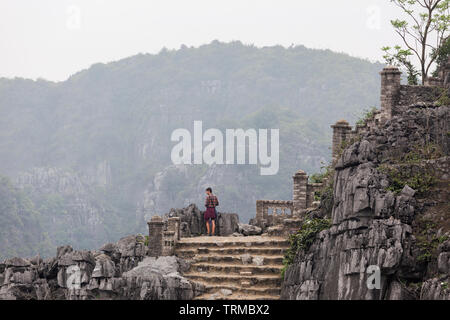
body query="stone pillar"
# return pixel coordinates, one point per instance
(259, 210)
(390, 89)
(173, 224)
(299, 193)
(168, 243)
(342, 131)
(155, 236)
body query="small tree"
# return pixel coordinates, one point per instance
(423, 32)
(400, 57)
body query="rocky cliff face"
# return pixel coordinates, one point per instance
(116, 271)
(379, 220)
(69, 204)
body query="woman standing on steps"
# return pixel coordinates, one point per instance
(211, 203)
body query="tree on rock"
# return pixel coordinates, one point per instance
(423, 30)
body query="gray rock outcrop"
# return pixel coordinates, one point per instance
(116, 271)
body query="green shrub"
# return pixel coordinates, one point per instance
(399, 178)
(407, 169)
(368, 114)
(427, 241)
(444, 99)
(303, 239)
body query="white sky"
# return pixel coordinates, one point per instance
(53, 39)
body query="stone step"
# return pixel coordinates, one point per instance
(225, 242)
(261, 291)
(264, 251)
(238, 296)
(243, 270)
(235, 259)
(258, 281)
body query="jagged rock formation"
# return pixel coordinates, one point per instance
(117, 271)
(374, 226)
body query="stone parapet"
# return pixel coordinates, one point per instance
(162, 241)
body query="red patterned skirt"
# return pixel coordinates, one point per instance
(210, 213)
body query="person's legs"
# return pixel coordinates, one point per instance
(207, 227)
(213, 222)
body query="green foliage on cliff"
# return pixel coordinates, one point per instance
(427, 240)
(20, 229)
(368, 114)
(304, 238)
(410, 170)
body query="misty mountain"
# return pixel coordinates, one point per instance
(92, 154)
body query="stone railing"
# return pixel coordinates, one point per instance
(271, 212)
(163, 236)
(274, 212)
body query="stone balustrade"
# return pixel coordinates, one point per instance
(270, 212)
(163, 236)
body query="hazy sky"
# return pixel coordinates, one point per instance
(53, 39)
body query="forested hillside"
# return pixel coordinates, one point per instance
(92, 154)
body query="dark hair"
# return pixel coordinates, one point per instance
(209, 189)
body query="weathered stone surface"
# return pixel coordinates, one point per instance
(435, 289)
(159, 279)
(249, 230)
(17, 262)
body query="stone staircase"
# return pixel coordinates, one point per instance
(242, 268)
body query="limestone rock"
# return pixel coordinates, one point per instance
(249, 230)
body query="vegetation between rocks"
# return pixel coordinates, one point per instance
(303, 239)
(410, 170)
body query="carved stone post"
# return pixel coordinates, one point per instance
(173, 224)
(299, 193)
(390, 89)
(155, 236)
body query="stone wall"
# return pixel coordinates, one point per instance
(272, 212)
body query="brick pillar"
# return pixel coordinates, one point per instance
(259, 211)
(155, 233)
(299, 193)
(390, 90)
(342, 131)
